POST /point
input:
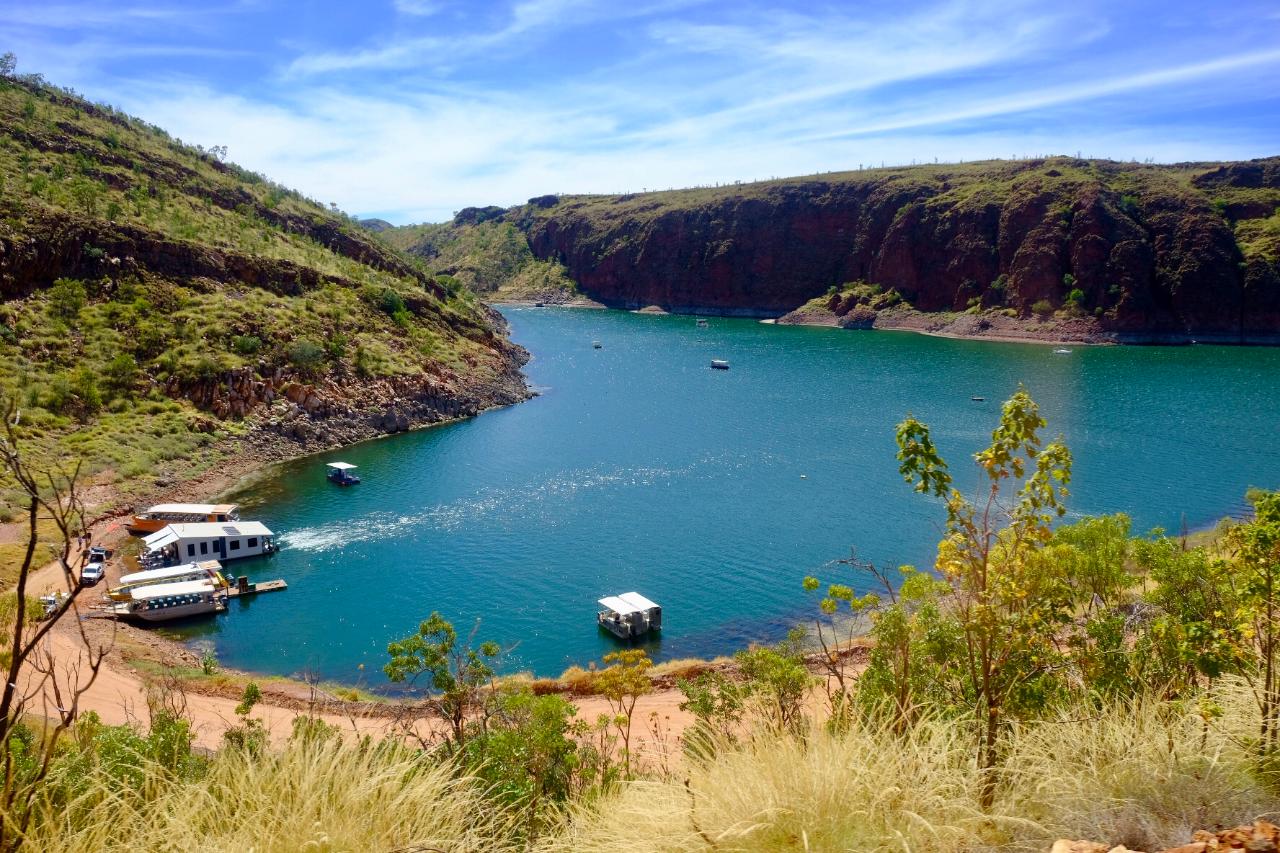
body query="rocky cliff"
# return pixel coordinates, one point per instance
(1134, 251)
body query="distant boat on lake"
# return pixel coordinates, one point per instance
(702, 324)
(597, 345)
(1062, 351)
(719, 364)
(340, 473)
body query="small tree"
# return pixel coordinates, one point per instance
(1006, 611)
(457, 672)
(778, 679)
(1257, 562)
(35, 682)
(8, 65)
(623, 682)
(67, 297)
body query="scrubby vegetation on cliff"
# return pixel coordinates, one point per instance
(155, 296)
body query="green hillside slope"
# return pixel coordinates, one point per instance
(158, 301)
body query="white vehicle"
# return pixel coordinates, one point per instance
(92, 573)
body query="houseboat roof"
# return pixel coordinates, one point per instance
(194, 509)
(341, 466)
(627, 603)
(205, 530)
(163, 590)
(152, 575)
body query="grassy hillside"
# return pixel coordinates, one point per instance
(158, 300)
(489, 256)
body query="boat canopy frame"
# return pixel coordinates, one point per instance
(627, 603)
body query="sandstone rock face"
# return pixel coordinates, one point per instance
(1150, 253)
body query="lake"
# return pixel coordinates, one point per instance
(712, 492)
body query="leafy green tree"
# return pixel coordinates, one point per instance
(1006, 611)
(717, 704)
(623, 682)
(249, 735)
(456, 672)
(531, 756)
(778, 680)
(1256, 547)
(1199, 631)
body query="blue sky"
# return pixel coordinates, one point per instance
(412, 109)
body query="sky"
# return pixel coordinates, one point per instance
(410, 110)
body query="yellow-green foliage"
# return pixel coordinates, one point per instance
(1145, 774)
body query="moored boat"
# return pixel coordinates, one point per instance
(162, 515)
(210, 570)
(341, 473)
(192, 542)
(629, 615)
(165, 601)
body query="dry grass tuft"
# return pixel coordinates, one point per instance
(1144, 775)
(321, 796)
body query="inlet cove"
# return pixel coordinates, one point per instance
(713, 492)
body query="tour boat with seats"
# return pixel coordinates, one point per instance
(164, 601)
(208, 570)
(162, 515)
(629, 615)
(341, 473)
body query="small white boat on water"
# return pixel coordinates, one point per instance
(165, 601)
(597, 345)
(702, 324)
(1062, 351)
(629, 615)
(342, 473)
(719, 364)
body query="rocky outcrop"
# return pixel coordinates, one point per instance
(1260, 837)
(1142, 249)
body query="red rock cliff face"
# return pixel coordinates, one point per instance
(1148, 248)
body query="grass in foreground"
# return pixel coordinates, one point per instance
(1144, 775)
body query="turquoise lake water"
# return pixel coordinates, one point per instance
(640, 468)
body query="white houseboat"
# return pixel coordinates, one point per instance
(191, 542)
(210, 570)
(629, 615)
(161, 515)
(164, 601)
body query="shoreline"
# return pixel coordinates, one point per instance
(993, 327)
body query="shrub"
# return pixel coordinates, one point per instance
(246, 344)
(122, 373)
(1042, 308)
(306, 355)
(66, 298)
